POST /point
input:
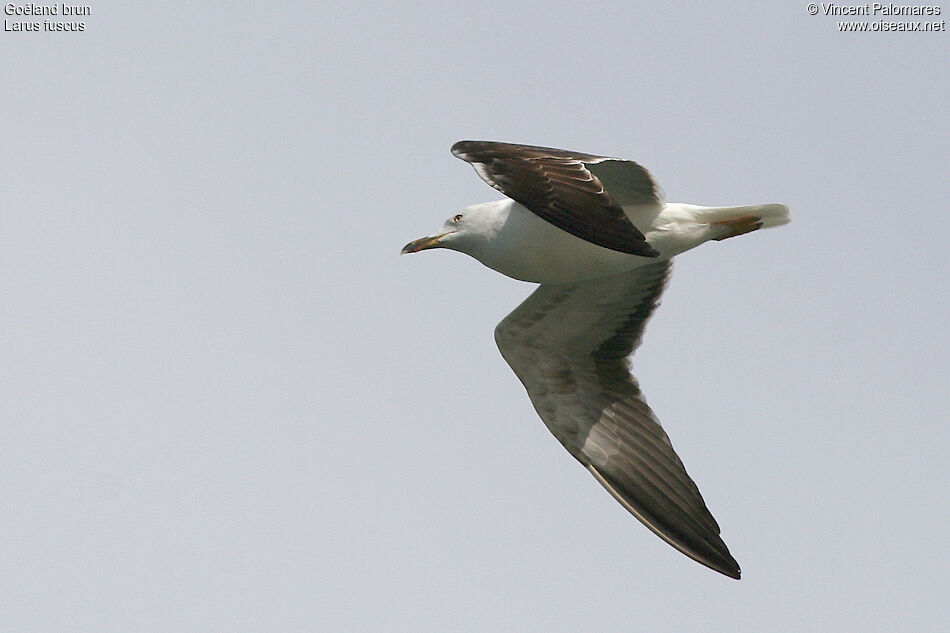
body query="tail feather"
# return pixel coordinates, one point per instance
(766, 214)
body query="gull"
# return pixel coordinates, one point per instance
(596, 235)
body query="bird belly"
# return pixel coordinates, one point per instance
(529, 248)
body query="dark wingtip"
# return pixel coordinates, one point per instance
(731, 569)
(461, 148)
(721, 561)
(624, 245)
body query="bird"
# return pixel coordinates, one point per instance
(596, 235)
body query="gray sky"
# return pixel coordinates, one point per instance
(227, 404)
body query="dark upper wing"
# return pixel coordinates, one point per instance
(569, 343)
(579, 193)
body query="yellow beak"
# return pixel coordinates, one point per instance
(422, 244)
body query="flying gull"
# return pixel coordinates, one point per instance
(595, 233)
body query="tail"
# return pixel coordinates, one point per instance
(732, 221)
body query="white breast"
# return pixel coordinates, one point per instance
(528, 248)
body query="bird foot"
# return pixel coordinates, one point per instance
(738, 226)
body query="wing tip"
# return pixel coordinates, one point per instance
(461, 148)
(648, 251)
(715, 558)
(639, 247)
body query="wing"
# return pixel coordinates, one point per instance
(569, 344)
(579, 193)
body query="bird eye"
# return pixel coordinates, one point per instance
(457, 218)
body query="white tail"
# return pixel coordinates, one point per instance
(724, 222)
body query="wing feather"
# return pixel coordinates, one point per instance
(569, 344)
(565, 189)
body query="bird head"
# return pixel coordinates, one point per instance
(467, 232)
(444, 238)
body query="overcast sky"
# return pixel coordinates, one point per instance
(228, 404)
